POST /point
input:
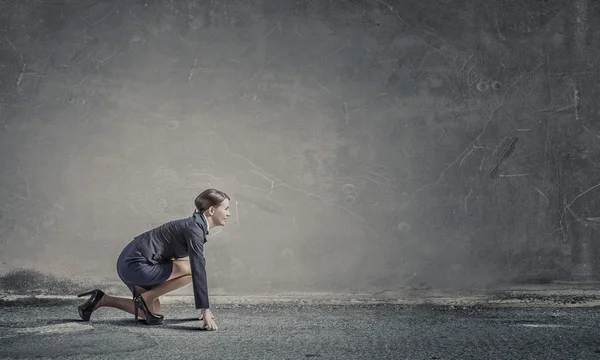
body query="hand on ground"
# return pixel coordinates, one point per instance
(208, 321)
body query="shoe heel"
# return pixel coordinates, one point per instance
(86, 293)
(135, 306)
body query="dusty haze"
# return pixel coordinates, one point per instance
(365, 145)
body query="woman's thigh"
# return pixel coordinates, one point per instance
(146, 275)
(181, 268)
(134, 269)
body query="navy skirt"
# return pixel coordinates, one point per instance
(134, 269)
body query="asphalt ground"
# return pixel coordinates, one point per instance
(52, 329)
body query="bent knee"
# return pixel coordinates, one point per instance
(187, 268)
(182, 267)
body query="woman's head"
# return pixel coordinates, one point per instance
(214, 204)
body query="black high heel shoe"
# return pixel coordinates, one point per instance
(151, 319)
(136, 319)
(86, 309)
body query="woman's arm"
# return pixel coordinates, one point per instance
(195, 242)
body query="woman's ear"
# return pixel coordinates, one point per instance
(211, 210)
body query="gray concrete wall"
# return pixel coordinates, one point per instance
(365, 144)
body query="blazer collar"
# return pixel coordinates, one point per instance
(201, 220)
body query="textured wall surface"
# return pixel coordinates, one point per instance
(365, 144)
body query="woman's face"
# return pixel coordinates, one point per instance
(219, 214)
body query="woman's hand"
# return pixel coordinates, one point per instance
(208, 321)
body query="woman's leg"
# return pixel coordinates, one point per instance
(181, 275)
(125, 304)
(157, 306)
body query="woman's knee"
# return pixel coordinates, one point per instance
(137, 290)
(182, 268)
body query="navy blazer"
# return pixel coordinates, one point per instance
(177, 239)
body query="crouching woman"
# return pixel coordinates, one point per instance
(153, 264)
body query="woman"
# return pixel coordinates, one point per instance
(151, 265)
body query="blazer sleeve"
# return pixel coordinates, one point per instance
(195, 243)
